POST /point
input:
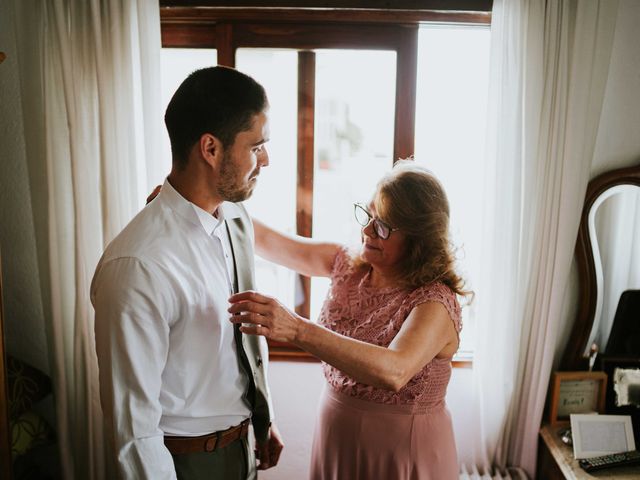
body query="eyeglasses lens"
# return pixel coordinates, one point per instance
(381, 229)
(362, 216)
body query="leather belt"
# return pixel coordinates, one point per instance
(206, 443)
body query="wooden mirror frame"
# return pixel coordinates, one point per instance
(5, 431)
(574, 357)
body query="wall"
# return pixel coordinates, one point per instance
(296, 389)
(618, 141)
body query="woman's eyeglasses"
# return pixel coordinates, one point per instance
(363, 217)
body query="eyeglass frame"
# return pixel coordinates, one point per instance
(377, 223)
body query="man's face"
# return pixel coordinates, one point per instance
(242, 161)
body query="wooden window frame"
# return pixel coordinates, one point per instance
(307, 29)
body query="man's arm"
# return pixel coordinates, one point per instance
(132, 343)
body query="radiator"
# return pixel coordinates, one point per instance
(511, 473)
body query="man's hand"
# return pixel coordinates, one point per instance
(268, 452)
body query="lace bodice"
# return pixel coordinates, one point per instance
(374, 315)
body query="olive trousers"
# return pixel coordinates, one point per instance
(236, 461)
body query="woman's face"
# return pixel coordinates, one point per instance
(383, 255)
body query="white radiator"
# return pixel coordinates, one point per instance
(511, 473)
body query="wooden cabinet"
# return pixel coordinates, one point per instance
(556, 462)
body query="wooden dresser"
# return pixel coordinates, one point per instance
(556, 462)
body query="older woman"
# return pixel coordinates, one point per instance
(387, 332)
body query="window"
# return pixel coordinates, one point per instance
(345, 102)
(450, 118)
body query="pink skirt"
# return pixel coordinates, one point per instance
(360, 440)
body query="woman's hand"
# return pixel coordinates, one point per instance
(154, 194)
(266, 316)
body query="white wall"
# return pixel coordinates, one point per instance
(296, 389)
(618, 141)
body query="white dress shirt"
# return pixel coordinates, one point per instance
(166, 349)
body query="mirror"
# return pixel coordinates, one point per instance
(611, 219)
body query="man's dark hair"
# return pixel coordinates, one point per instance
(216, 100)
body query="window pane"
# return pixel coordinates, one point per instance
(176, 64)
(274, 199)
(453, 71)
(354, 124)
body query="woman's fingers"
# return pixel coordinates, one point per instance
(253, 318)
(255, 330)
(262, 315)
(155, 193)
(249, 307)
(249, 295)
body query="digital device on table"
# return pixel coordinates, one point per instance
(600, 435)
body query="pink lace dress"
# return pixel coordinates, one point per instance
(367, 433)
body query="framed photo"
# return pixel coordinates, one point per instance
(576, 392)
(623, 387)
(597, 435)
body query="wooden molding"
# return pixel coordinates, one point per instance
(306, 139)
(437, 5)
(211, 15)
(406, 93)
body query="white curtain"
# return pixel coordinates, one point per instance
(101, 65)
(549, 65)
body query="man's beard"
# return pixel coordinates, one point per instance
(230, 185)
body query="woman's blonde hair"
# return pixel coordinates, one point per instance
(413, 200)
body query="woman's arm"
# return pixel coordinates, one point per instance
(301, 254)
(426, 333)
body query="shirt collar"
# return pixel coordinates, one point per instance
(195, 214)
(208, 221)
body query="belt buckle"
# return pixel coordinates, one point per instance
(212, 442)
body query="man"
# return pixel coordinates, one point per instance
(179, 384)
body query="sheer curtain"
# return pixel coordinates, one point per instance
(102, 122)
(549, 65)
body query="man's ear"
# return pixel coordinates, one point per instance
(211, 149)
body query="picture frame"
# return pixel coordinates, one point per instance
(576, 393)
(597, 435)
(609, 364)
